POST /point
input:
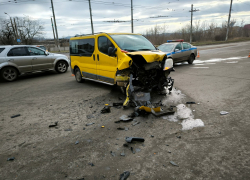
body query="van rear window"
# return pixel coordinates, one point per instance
(82, 47)
(1, 49)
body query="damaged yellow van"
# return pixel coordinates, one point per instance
(122, 59)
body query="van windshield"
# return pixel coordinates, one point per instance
(129, 42)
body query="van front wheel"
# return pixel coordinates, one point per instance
(78, 75)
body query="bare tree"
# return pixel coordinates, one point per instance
(27, 30)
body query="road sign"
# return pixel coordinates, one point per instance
(18, 40)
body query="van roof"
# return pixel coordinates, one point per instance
(92, 35)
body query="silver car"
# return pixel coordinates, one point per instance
(179, 51)
(18, 59)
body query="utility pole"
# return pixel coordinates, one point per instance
(191, 29)
(58, 45)
(16, 28)
(90, 11)
(132, 25)
(53, 30)
(229, 16)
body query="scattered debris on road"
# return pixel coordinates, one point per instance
(91, 164)
(15, 115)
(173, 163)
(132, 149)
(77, 142)
(54, 125)
(106, 109)
(124, 175)
(112, 153)
(117, 104)
(123, 154)
(131, 139)
(135, 123)
(223, 112)
(190, 102)
(68, 129)
(89, 124)
(119, 128)
(11, 159)
(90, 116)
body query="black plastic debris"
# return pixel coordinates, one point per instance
(53, 125)
(106, 109)
(124, 175)
(15, 115)
(120, 98)
(83, 128)
(173, 163)
(119, 128)
(91, 164)
(77, 142)
(152, 136)
(131, 139)
(167, 145)
(125, 145)
(190, 102)
(67, 129)
(11, 159)
(135, 123)
(89, 124)
(132, 149)
(90, 106)
(112, 153)
(117, 104)
(123, 154)
(169, 151)
(178, 137)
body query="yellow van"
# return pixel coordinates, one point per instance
(124, 59)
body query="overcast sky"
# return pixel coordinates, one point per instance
(73, 17)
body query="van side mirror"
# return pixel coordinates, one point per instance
(111, 51)
(176, 50)
(46, 53)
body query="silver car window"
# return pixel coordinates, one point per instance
(186, 46)
(35, 52)
(178, 46)
(1, 49)
(19, 51)
(166, 47)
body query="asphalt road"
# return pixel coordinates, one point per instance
(219, 81)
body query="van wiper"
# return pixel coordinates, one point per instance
(145, 49)
(129, 50)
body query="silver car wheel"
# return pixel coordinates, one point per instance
(9, 74)
(62, 67)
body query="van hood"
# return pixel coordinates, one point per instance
(125, 59)
(149, 56)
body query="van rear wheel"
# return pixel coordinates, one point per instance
(78, 75)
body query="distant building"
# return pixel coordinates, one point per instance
(247, 26)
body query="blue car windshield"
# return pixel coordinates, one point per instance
(130, 42)
(166, 47)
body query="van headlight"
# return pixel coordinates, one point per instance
(168, 64)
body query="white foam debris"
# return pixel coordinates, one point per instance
(183, 112)
(191, 123)
(174, 98)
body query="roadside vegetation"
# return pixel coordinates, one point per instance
(204, 33)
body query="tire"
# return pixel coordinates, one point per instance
(191, 59)
(61, 67)
(9, 74)
(78, 75)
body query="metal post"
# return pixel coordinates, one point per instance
(229, 16)
(16, 29)
(90, 11)
(132, 25)
(53, 31)
(58, 45)
(191, 30)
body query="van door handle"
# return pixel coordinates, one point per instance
(11, 60)
(98, 57)
(94, 57)
(34, 58)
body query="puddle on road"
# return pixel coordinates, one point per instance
(183, 112)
